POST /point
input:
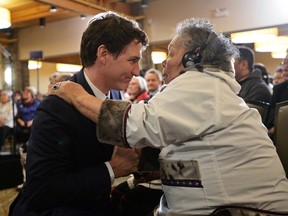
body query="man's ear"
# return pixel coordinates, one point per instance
(102, 54)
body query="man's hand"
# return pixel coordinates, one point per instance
(124, 161)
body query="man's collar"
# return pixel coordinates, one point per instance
(95, 90)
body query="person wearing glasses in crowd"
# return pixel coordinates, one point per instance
(69, 170)
(201, 127)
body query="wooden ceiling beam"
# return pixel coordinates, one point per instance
(32, 13)
(87, 8)
(72, 6)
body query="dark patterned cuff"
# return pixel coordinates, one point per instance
(112, 122)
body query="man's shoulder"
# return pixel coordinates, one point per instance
(54, 104)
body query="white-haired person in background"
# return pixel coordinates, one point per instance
(6, 115)
(215, 151)
(137, 90)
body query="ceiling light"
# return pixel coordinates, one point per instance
(33, 65)
(279, 55)
(83, 17)
(5, 18)
(53, 9)
(144, 3)
(254, 35)
(158, 57)
(42, 22)
(275, 45)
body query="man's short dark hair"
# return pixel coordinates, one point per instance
(247, 54)
(113, 31)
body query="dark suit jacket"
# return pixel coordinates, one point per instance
(66, 173)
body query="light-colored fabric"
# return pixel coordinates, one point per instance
(199, 117)
(6, 113)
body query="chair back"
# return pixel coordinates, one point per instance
(244, 211)
(281, 132)
(262, 107)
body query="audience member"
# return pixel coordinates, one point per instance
(278, 76)
(280, 93)
(17, 96)
(137, 90)
(265, 75)
(201, 127)
(252, 85)
(26, 109)
(69, 171)
(6, 115)
(154, 81)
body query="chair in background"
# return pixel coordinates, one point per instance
(281, 132)
(262, 107)
(244, 211)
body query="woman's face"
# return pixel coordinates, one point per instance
(173, 64)
(133, 87)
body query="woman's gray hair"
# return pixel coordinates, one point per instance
(215, 48)
(141, 83)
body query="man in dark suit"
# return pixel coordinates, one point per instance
(69, 172)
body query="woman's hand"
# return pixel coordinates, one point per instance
(67, 90)
(76, 95)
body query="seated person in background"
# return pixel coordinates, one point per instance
(265, 75)
(154, 81)
(200, 125)
(280, 93)
(253, 86)
(17, 96)
(6, 115)
(137, 90)
(278, 76)
(26, 109)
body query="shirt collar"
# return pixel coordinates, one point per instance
(95, 90)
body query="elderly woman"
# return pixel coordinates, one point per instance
(214, 149)
(138, 90)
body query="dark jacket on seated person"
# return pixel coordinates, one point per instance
(254, 88)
